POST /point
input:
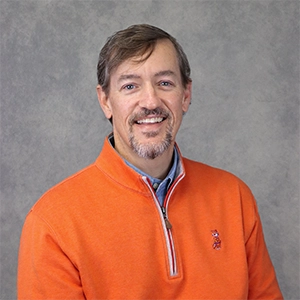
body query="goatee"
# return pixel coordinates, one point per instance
(151, 150)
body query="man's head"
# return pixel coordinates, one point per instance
(145, 88)
(135, 41)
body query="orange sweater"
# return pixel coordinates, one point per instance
(101, 234)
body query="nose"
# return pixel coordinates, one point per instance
(149, 97)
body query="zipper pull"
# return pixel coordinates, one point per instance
(167, 222)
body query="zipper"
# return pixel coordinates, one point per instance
(167, 226)
(167, 222)
(170, 243)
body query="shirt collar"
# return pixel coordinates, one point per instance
(169, 178)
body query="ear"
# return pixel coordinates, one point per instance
(104, 102)
(187, 97)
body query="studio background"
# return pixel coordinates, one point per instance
(244, 115)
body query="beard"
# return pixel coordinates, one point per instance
(151, 150)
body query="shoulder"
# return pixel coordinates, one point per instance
(67, 192)
(212, 178)
(193, 168)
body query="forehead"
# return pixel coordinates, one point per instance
(164, 57)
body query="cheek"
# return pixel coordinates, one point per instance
(178, 110)
(118, 111)
(121, 115)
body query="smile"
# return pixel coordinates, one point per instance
(150, 120)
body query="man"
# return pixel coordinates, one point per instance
(143, 222)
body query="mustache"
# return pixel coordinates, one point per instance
(145, 112)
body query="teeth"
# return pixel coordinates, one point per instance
(150, 121)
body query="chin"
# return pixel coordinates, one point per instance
(151, 150)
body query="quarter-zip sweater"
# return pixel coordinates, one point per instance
(101, 234)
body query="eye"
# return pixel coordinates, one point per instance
(129, 87)
(165, 83)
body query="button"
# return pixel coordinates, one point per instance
(155, 185)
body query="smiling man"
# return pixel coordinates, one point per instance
(146, 100)
(143, 222)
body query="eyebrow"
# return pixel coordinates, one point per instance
(128, 76)
(124, 77)
(165, 73)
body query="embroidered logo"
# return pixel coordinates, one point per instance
(216, 240)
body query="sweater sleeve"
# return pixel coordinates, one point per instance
(262, 278)
(44, 270)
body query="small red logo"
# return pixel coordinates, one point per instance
(216, 240)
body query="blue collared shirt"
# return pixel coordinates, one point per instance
(161, 186)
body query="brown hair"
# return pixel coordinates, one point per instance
(136, 40)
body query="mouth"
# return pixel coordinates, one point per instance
(149, 117)
(148, 120)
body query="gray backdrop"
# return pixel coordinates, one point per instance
(244, 115)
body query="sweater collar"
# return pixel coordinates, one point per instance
(114, 166)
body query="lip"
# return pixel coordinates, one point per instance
(150, 125)
(150, 120)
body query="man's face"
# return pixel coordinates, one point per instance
(146, 101)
